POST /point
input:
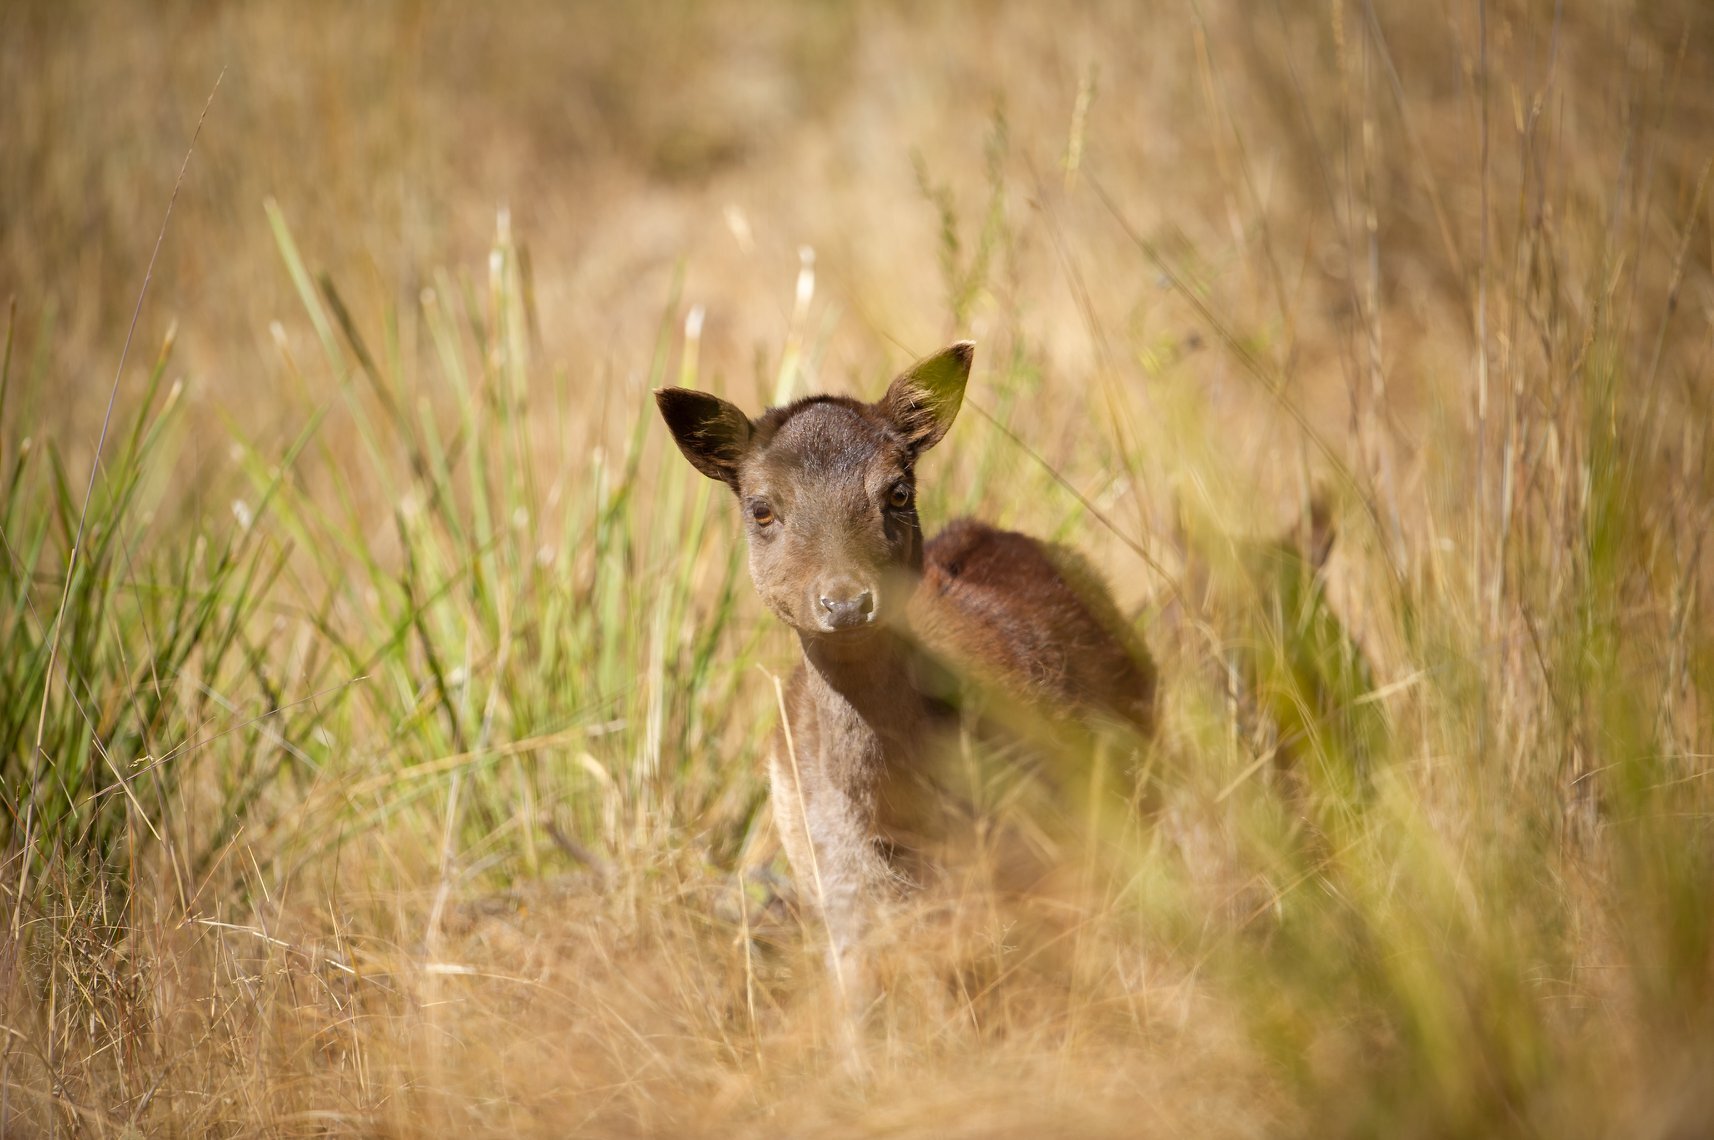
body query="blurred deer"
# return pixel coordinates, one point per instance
(827, 488)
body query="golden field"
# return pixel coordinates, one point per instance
(382, 700)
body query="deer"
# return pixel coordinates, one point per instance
(888, 624)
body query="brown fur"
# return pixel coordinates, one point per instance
(1034, 618)
(827, 489)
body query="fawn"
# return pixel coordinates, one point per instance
(1302, 678)
(827, 490)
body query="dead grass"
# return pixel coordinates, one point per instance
(397, 772)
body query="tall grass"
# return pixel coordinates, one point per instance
(398, 771)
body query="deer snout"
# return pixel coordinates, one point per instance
(845, 604)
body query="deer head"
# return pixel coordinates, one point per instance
(827, 489)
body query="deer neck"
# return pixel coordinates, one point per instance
(878, 737)
(871, 713)
(871, 673)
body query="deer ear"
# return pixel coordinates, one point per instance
(924, 400)
(1321, 530)
(713, 434)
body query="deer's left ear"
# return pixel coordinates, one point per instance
(1321, 530)
(924, 400)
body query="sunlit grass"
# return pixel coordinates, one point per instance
(398, 771)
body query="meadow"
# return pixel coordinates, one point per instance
(383, 701)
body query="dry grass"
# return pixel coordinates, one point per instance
(391, 763)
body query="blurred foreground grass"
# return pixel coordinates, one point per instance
(387, 764)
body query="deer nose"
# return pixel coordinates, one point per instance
(843, 609)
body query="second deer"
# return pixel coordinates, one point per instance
(827, 489)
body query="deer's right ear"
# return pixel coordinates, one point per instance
(713, 434)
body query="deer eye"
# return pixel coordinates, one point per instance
(761, 512)
(900, 496)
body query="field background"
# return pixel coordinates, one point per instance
(381, 719)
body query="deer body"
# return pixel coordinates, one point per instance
(827, 488)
